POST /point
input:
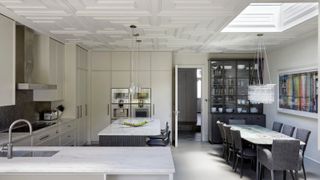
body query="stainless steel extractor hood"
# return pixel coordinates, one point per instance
(30, 86)
(25, 51)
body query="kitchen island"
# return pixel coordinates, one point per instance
(118, 134)
(90, 163)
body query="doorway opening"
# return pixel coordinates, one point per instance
(189, 104)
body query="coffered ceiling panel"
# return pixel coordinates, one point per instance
(174, 25)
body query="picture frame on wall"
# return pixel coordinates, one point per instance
(298, 92)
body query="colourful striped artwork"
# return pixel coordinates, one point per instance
(299, 91)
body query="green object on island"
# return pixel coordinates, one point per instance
(135, 124)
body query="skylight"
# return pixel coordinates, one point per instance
(272, 17)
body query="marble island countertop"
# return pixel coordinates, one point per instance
(117, 128)
(109, 160)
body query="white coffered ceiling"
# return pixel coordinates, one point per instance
(174, 25)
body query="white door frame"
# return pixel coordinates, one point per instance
(176, 108)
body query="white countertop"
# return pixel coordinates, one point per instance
(16, 136)
(152, 128)
(109, 160)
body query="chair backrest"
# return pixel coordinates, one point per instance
(277, 126)
(220, 126)
(237, 121)
(167, 126)
(227, 133)
(166, 140)
(236, 139)
(303, 135)
(287, 130)
(285, 154)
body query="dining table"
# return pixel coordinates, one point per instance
(260, 136)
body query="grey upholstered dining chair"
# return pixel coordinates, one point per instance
(223, 137)
(303, 135)
(277, 126)
(163, 133)
(284, 156)
(160, 142)
(288, 130)
(237, 121)
(240, 151)
(227, 134)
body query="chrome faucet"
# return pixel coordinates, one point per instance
(9, 146)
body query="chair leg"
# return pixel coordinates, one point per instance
(241, 170)
(304, 171)
(296, 175)
(284, 175)
(234, 159)
(292, 176)
(272, 174)
(259, 171)
(229, 156)
(236, 165)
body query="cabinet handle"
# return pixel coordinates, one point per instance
(44, 137)
(57, 131)
(154, 109)
(86, 109)
(108, 109)
(78, 111)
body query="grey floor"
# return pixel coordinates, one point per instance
(196, 160)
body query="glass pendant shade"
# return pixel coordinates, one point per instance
(261, 93)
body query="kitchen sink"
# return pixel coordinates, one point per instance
(30, 153)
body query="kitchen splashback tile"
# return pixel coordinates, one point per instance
(25, 108)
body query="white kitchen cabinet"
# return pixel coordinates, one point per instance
(76, 90)
(161, 61)
(144, 79)
(49, 69)
(121, 61)
(121, 79)
(101, 60)
(82, 96)
(23, 142)
(101, 102)
(142, 61)
(8, 61)
(162, 96)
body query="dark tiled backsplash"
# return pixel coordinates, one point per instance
(25, 108)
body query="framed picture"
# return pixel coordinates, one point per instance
(298, 92)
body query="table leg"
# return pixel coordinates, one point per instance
(257, 165)
(105, 177)
(170, 176)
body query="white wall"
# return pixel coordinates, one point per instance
(299, 54)
(197, 60)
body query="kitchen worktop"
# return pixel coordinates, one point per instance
(109, 160)
(16, 136)
(117, 128)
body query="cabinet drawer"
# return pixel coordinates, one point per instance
(52, 142)
(44, 136)
(23, 142)
(68, 138)
(68, 126)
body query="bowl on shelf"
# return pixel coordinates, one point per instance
(229, 110)
(253, 110)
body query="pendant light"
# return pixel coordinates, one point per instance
(134, 80)
(259, 92)
(138, 41)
